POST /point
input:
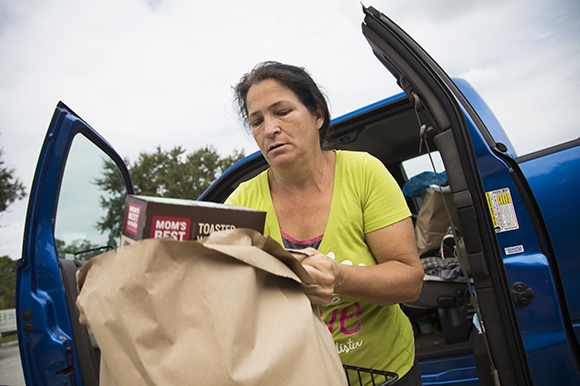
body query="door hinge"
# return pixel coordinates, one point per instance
(522, 294)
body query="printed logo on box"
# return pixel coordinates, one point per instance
(176, 227)
(206, 229)
(132, 225)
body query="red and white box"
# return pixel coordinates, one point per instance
(160, 217)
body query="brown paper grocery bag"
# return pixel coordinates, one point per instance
(432, 221)
(225, 311)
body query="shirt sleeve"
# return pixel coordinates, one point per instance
(233, 198)
(383, 201)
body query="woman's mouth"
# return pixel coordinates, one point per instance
(276, 146)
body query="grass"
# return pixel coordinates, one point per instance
(9, 338)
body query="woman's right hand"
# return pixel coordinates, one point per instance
(327, 274)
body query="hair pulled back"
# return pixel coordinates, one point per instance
(295, 78)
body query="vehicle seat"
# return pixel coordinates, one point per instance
(85, 344)
(444, 286)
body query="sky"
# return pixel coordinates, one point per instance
(148, 73)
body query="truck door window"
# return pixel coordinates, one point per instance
(422, 163)
(91, 202)
(418, 165)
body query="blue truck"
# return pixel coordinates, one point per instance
(511, 318)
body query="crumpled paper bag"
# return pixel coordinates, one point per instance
(432, 221)
(225, 311)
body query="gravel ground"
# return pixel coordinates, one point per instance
(10, 367)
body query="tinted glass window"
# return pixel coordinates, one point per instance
(91, 202)
(422, 163)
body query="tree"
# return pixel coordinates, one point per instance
(113, 201)
(80, 249)
(178, 175)
(171, 173)
(11, 188)
(7, 282)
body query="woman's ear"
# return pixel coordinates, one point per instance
(319, 117)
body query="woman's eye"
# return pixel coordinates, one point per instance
(256, 123)
(283, 112)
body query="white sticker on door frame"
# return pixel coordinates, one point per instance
(502, 210)
(513, 250)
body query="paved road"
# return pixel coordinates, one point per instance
(10, 367)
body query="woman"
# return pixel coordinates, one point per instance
(344, 206)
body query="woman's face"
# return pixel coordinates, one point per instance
(284, 129)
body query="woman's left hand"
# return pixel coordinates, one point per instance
(327, 274)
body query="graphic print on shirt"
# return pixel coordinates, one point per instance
(340, 316)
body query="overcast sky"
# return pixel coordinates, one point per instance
(145, 73)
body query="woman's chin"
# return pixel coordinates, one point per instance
(281, 161)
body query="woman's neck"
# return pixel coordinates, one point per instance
(303, 179)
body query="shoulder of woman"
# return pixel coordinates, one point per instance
(357, 159)
(248, 188)
(256, 181)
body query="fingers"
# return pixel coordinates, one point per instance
(320, 293)
(320, 270)
(318, 296)
(326, 274)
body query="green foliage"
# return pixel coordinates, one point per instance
(11, 188)
(162, 173)
(81, 249)
(7, 282)
(176, 174)
(113, 201)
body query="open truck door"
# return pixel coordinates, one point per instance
(508, 253)
(78, 184)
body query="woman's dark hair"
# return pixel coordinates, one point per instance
(295, 78)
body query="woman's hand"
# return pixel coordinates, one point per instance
(397, 278)
(327, 274)
(82, 317)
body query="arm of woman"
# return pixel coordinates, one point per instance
(397, 278)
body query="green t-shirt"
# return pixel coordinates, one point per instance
(365, 198)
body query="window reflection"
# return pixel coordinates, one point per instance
(91, 203)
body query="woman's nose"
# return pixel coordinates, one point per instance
(271, 127)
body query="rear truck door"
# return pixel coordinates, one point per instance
(509, 253)
(553, 176)
(78, 185)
